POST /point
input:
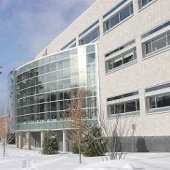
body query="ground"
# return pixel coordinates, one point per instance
(17, 159)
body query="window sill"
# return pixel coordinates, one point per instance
(127, 114)
(122, 67)
(145, 6)
(156, 52)
(118, 24)
(158, 111)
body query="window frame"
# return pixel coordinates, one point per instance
(108, 21)
(148, 2)
(122, 56)
(165, 35)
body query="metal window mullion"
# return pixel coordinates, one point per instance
(155, 101)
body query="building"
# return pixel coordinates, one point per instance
(129, 69)
(4, 127)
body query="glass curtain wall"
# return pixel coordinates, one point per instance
(43, 87)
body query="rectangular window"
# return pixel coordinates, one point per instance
(90, 37)
(156, 44)
(159, 101)
(142, 3)
(120, 60)
(118, 17)
(124, 14)
(124, 107)
(159, 43)
(114, 21)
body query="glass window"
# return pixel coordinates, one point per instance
(59, 65)
(53, 96)
(118, 61)
(47, 106)
(52, 67)
(119, 108)
(53, 58)
(156, 44)
(90, 49)
(143, 2)
(124, 107)
(41, 70)
(130, 106)
(53, 106)
(53, 115)
(148, 47)
(66, 73)
(41, 98)
(90, 58)
(53, 86)
(66, 63)
(159, 43)
(107, 25)
(124, 14)
(60, 74)
(120, 16)
(46, 68)
(128, 57)
(66, 83)
(59, 84)
(41, 116)
(169, 38)
(159, 101)
(90, 37)
(53, 76)
(115, 20)
(163, 101)
(41, 107)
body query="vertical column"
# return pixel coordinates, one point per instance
(16, 139)
(28, 137)
(20, 138)
(42, 138)
(64, 140)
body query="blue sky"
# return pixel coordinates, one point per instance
(27, 26)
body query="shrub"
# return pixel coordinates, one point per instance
(50, 144)
(94, 144)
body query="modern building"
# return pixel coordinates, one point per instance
(119, 50)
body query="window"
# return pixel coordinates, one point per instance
(124, 107)
(90, 37)
(158, 28)
(118, 17)
(159, 101)
(71, 44)
(142, 3)
(156, 43)
(124, 103)
(122, 59)
(158, 97)
(120, 48)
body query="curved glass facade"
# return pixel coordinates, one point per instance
(43, 87)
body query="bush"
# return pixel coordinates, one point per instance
(50, 144)
(94, 144)
(75, 148)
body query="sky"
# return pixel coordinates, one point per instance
(28, 26)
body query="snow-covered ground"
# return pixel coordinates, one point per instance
(17, 159)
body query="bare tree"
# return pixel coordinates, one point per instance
(115, 131)
(4, 127)
(74, 116)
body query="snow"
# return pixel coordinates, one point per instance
(17, 159)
